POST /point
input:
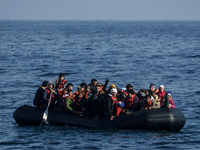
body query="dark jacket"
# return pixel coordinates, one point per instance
(110, 106)
(39, 97)
(165, 101)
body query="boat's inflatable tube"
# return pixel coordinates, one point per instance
(154, 119)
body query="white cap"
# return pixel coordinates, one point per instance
(162, 86)
(113, 90)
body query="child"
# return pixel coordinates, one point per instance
(171, 102)
(147, 103)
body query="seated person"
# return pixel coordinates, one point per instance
(38, 100)
(132, 102)
(152, 89)
(164, 97)
(77, 92)
(69, 86)
(147, 102)
(51, 95)
(120, 107)
(78, 104)
(111, 102)
(67, 101)
(171, 102)
(141, 94)
(91, 108)
(98, 87)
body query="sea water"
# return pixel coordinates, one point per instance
(135, 52)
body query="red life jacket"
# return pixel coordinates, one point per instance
(118, 109)
(52, 96)
(125, 93)
(64, 100)
(61, 84)
(162, 96)
(49, 94)
(114, 99)
(147, 104)
(130, 101)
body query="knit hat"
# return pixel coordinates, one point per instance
(169, 93)
(152, 85)
(113, 90)
(113, 86)
(162, 86)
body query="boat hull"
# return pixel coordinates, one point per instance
(154, 119)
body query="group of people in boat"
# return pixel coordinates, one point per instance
(96, 100)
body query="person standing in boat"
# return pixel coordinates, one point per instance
(48, 91)
(164, 102)
(61, 82)
(93, 84)
(38, 100)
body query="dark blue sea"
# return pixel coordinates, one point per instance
(136, 52)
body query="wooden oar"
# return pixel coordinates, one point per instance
(45, 115)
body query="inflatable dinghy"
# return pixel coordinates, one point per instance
(153, 119)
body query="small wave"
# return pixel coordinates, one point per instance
(190, 71)
(194, 56)
(197, 92)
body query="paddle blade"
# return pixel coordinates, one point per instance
(44, 116)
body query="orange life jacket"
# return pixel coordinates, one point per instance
(77, 103)
(86, 94)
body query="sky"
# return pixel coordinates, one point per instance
(100, 9)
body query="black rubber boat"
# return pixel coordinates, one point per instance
(154, 119)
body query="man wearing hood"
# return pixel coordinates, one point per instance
(50, 95)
